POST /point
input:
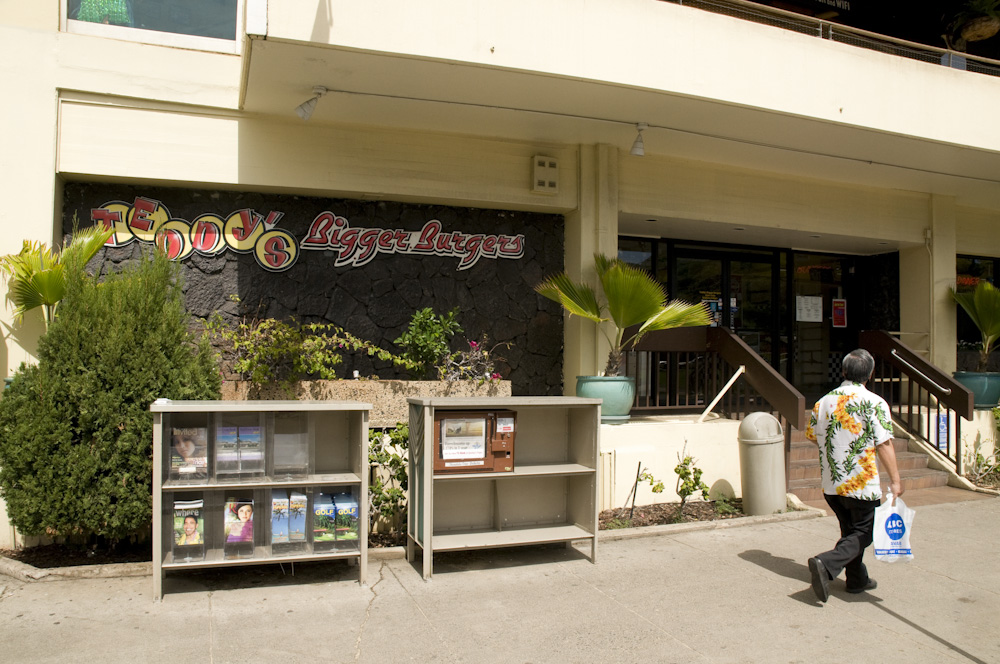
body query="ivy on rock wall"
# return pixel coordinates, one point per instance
(373, 299)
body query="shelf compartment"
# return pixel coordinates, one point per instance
(262, 555)
(524, 470)
(482, 538)
(304, 447)
(265, 483)
(550, 496)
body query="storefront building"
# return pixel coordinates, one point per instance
(804, 188)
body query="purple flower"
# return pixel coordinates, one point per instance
(474, 344)
(495, 376)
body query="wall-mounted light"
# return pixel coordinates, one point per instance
(306, 108)
(638, 149)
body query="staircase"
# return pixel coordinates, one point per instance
(804, 471)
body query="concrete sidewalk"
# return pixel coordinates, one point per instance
(717, 595)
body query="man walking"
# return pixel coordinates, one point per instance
(851, 425)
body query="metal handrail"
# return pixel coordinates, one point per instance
(722, 393)
(945, 390)
(845, 34)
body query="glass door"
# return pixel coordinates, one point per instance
(740, 288)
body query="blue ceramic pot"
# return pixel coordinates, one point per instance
(618, 393)
(985, 386)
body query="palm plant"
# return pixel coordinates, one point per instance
(632, 297)
(36, 277)
(983, 307)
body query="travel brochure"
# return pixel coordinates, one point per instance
(335, 521)
(238, 451)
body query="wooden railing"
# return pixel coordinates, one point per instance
(924, 400)
(682, 370)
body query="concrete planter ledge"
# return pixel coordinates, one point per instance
(801, 511)
(24, 572)
(388, 397)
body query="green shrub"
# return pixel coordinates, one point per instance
(426, 340)
(266, 350)
(389, 452)
(75, 430)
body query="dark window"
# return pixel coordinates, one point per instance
(200, 18)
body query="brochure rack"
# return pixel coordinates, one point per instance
(550, 496)
(253, 482)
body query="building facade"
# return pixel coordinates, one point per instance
(803, 187)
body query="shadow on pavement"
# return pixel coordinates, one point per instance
(258, 576)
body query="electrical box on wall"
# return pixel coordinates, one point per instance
(545, 175)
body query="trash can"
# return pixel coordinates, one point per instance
(762, 464)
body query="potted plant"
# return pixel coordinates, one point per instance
(983, 306)
(977, 20)
(631, 297)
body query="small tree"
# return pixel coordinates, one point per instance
(75, 430)
(688, 480)
(426, 340)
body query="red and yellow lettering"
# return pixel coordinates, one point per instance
(145, 217)
(276, 251)
(207, 235)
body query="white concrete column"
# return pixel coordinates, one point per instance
(943, 330)
(592, 227)
(926, 276)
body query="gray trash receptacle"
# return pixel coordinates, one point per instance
(762, 464)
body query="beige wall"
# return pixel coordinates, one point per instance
(210, 146)
(977, 232)
(657, 445)
(661, 46)
(699, 191)
(37, 14)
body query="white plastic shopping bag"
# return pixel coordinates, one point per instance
(893, 525)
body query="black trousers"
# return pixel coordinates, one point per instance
(857, 520)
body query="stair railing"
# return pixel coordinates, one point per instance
(925, 401)
(682, 370)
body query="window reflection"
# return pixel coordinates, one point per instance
(201, 18)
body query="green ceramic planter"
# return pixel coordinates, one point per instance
(618, 393)
(985, 386)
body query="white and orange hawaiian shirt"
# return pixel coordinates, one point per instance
(847, 425)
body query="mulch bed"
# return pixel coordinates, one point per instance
(64, 555)
(664, 513)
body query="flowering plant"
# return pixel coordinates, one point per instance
(477, 362)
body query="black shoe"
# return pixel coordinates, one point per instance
(820, 579)
(871, 585)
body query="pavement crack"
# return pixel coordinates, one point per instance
(368, 610)
(437, 634)
(211, 630)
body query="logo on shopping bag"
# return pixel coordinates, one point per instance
(894, 527)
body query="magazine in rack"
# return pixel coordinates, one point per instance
(189, 531)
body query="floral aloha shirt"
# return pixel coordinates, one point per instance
(847, 425)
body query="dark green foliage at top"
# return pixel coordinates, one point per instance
(76, 431)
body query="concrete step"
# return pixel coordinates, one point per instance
(810, 469)
(806, 450)
(920, 478)
(920, 497)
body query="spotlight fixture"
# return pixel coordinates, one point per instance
(638, 149)
(306, 108)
